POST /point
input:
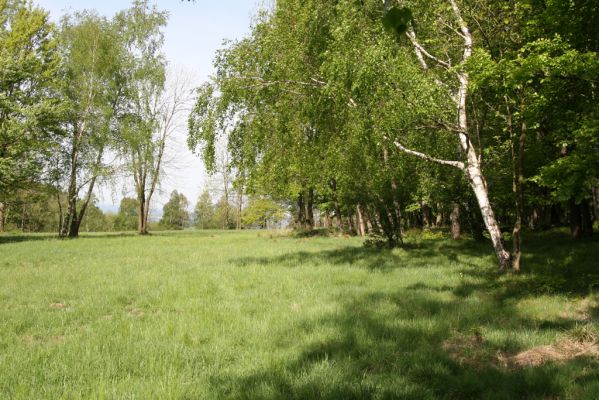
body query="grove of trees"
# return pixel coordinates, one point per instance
(83, 103)
(387, 115)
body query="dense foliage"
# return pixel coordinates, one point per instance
(175, 214)
(480, 114)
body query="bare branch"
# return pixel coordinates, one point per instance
(456, 164)
(451, 27)
(421, 51)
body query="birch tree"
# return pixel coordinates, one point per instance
(458, 86)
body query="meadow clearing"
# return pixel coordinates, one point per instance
(269, 315)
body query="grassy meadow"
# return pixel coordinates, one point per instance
(261, 315)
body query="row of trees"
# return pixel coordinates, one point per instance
(82, 103)
(383, 115)
(37, 211)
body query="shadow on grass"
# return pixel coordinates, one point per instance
(552, 264)
(399, 346)
(18, 238)
(24, 237)
(427, 341)
(373, 259)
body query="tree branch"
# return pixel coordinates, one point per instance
(456, 164)
(421, 51)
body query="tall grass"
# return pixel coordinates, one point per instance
(257, 315)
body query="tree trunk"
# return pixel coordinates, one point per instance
(439, 217)
(74, 225)
(581, 224)
(142, 223)
(426, 215)
(575, 219)
(586, 219)
(71, 214)
(310, 209)
(60, 214)
(371, 222)
(239, 207)
(456, 230)
(361, 227)
(596, 202)
(396, 215)
(301, 216)
(2, 216)
(518, 188)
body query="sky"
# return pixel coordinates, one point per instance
(195, 31)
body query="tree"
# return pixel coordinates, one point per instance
(152, 108)
(471, 164)
(224, 214)
(93, 87)
(94, 220)
(262, 213)
(126, 219)
(312, 103)
(31, 109)
(175, 212)
(204, 212)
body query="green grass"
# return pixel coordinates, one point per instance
(225, 315)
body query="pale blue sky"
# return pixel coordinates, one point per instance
(195, 31)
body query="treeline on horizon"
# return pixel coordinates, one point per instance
(37, 211)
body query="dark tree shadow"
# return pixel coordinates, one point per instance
(18, 238)
(431, 341)
(408, 354)
(373, 259)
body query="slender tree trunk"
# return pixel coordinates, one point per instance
(310, 209)
(2, 216)
(371, 222)
(361, 227)
(397, 215)
(301, 209)
(142, 227)
(78, 217)
(456, 229)
(387, 225)
(586, 219)
(575, 219)
(239, 207)
(71, 193)
(426, 215)
(439, 217)
(596, 201)
(518, 189)
(581, 223)
(60, 214)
